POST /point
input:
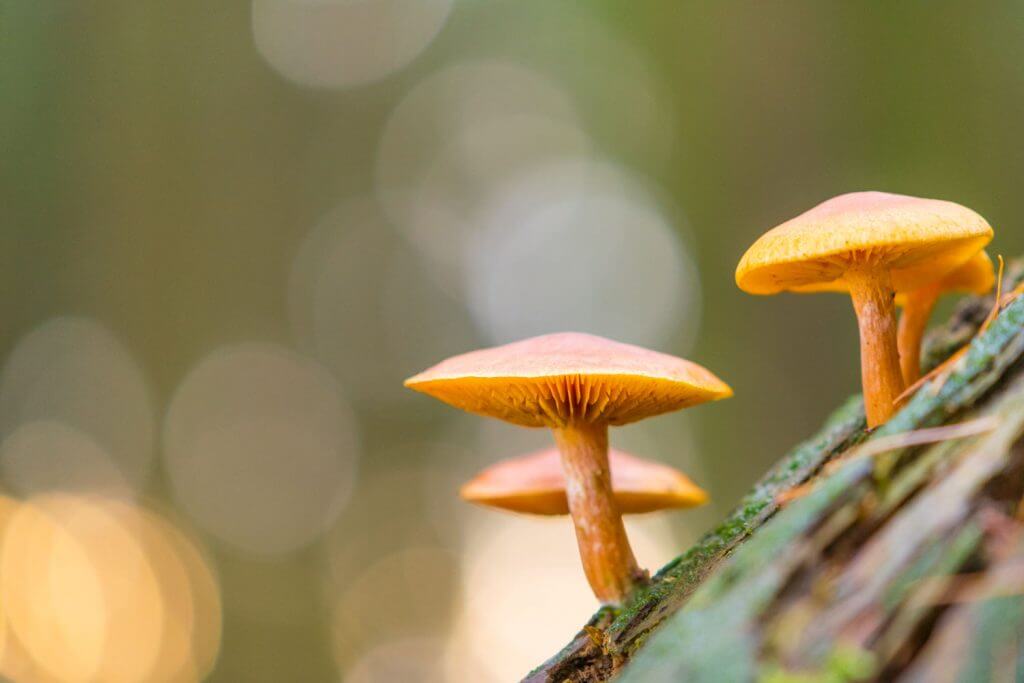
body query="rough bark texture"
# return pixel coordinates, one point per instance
(906, 566)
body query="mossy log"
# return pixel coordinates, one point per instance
(903, 565)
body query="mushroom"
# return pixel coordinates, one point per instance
(871, 244)
(577, 385)
(535, 484)
(977, 276)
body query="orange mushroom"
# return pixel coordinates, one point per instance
(577, 385)
(872, 244)
(977, 276)
(535, 484)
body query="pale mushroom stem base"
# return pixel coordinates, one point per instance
(607, 558)
(874, 301)
(916, 311)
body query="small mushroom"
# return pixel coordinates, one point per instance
(535, 484)
(577, 385)
(872, 244)
(977, 276)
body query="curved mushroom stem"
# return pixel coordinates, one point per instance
(873, 300)
(916, 312)
(607, 558)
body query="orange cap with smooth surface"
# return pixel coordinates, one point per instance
(916, 240)
(977, 276)
(569, 378)
(535, 484)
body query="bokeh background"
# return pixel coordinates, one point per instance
(228, 230)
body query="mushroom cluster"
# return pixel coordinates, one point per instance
(577, 385)
(883, 250)
(874, 245)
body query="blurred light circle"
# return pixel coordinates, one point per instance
(361, 303)
(480, 162)
(74, 371)
(80, 595)
(626, 93)
(458, 136)
(422, 323)
(386, 514)
(45, 455)
(308, 263)
(342, 43)
(261, 448)
(99, 590)
(14, 663)
(407, 659)
(334, 294)
(407, 593)
(581, 246)
(449, 102)
(190, 637)
(454, 461)
(524, 593)
(612, 80)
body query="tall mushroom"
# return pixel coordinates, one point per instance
(535, 484)
(977, 276)
(875, 244)
(577, 385)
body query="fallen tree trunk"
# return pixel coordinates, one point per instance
(895, 562)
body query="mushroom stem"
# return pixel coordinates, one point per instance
(873, 300)
(607, 558)
(916, 311)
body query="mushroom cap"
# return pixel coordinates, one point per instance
(535, 484)
(916, 240)
(569, 378)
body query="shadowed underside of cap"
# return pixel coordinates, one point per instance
(917, 240)
(535, 484)
(569, 378)
(977, 276)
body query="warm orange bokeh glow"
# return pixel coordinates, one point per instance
(97, 589)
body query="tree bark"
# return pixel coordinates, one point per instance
(906, 565)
